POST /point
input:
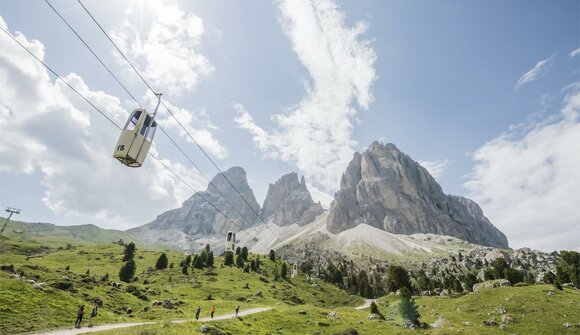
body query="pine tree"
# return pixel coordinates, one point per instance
(198, 264)
(127, 271)
(129, 252)
(187, 261)
(272, 255)
(284, 270)
(229, 259)
(203, 257)
(184, 270)
(207, 249)
(253, 266)
(210, 259)
(244, 253)
(397, 277)
(161, 262)
(239, 261)
(408, 310)
(276, 275)
(238, 250)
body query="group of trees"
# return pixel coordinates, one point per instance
(241, 259)
(129, 267)
(204, 259)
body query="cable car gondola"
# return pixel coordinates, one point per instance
(136, 137)
(231, 242)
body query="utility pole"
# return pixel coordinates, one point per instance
(11, 211)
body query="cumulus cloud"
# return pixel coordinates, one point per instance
(316, 134)
(436, 168)
(539, 70)
(167, 52)
(527, 180)
(197, 124)
(50, 130)
(575, 53)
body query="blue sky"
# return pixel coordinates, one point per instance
(482, 93)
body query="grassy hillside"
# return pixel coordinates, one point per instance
(299, 307)
(53, 235)
(532, 311)
(65, 290)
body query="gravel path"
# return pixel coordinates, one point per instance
(74, 331)
(367, 304)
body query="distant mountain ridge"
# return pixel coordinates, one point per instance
(384, 198)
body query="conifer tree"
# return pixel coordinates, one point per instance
(284, 270)
(129, 252)
(127, 271)
(272, 255)
(238, 250)
(161, 262)
(239, 261)
(244, 253)
(198, 264)
(210, 259)
(253, 266)
(408, 309)
(229, 258)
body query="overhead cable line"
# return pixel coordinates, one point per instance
(173, 115)
(119, 128)
(131, 95)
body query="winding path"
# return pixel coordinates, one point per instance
(367, 304)
(74, 331)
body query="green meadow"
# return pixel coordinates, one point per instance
(73, 275)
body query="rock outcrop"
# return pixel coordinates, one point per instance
(196, 217)
(289, 201)
(386, 189)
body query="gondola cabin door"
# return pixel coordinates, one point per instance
(231, 242)
(136, 138)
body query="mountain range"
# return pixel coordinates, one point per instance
(385, 199)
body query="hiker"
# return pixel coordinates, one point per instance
(237, 310)
(197, 311)
(94, 313)
(80, 314)
(212, 310)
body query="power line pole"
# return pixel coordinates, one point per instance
(11, 211)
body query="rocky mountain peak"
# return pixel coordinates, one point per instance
(198, 219)
(386, 189)
(236, 176)
(289, 201)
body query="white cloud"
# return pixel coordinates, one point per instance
(197, 124)
(51, 130)
(540, 69)
(167, 52)
(318, 195)
(316, 134)
(436, 168)
(527, 183)
(575, 53)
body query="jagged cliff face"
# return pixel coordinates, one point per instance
(386, 189)
(196, 217)
(289, 201)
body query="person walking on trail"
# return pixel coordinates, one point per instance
(94, 313)
(80, 314)
(212, 310)
(197, 312)
(237, 310)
